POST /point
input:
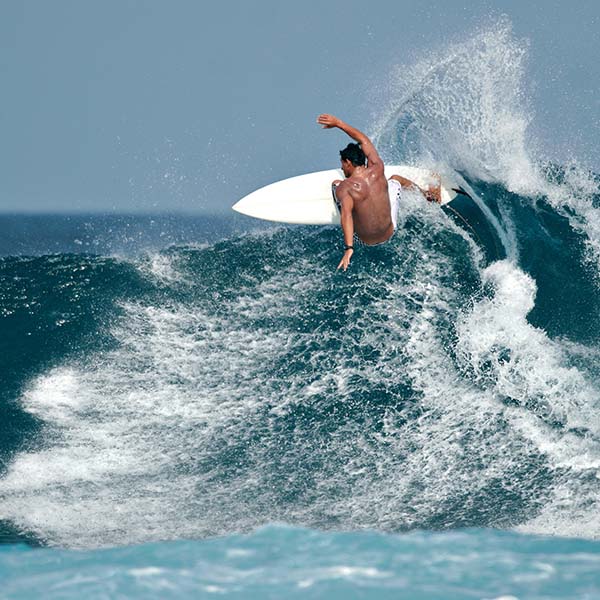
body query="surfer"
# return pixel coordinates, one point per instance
(368, 202)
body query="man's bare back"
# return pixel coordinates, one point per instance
(371, 204)
(363, 196)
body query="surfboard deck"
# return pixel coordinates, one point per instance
(306, 199)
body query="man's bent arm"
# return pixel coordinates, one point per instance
(329, 121)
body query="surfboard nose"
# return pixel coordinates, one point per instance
(305, 200)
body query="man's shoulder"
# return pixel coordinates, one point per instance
(344, 186)
(376, 170)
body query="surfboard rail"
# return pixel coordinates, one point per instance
(307, 200)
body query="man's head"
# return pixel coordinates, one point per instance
(352, 156)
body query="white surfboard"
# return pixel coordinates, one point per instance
(307, 199)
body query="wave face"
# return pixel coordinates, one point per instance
(206, 390)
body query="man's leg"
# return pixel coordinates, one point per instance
(433, 194)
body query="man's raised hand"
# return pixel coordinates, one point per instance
(328, 121)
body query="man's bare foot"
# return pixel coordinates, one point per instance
(434, 192)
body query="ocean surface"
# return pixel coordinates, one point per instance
(197, 406)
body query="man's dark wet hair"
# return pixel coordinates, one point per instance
(355, 154)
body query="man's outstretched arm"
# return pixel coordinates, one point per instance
(329, 121)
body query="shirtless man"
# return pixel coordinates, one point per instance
(364, 197)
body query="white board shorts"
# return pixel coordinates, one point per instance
(395, 192)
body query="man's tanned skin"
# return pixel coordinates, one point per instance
(363, 195)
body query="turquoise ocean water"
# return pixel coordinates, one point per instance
(283, 562)
(199, 407)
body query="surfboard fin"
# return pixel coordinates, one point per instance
(459, 190)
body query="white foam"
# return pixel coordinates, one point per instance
(466, 108)
(119, 424)
(351, 573)
(522, 363)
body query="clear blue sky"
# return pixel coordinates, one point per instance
(131, 105)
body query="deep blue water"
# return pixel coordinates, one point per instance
(174, 386)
